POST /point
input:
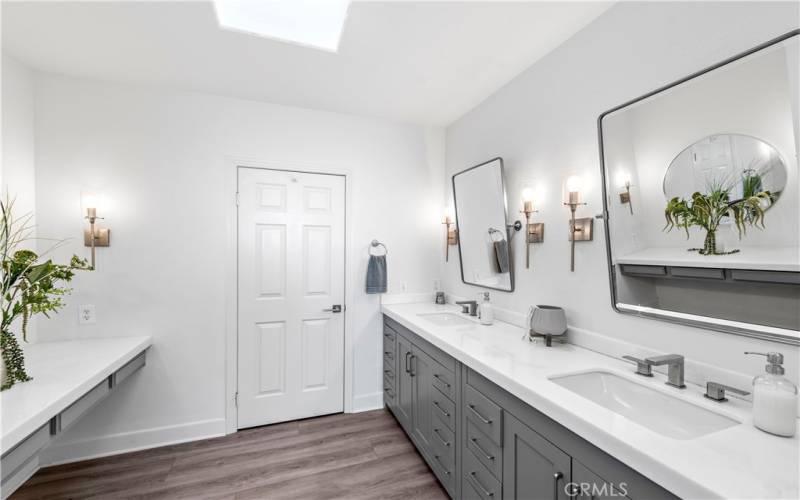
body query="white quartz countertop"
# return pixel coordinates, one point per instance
(754, 258)
(738, 462)
(62, 372)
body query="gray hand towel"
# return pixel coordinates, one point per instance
(501, 255)
(376, 274)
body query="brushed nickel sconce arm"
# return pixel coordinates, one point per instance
(579, 230)
(626, 197)
(450, 238)
(534, 232)
(94, 236)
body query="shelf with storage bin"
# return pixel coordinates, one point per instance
(754, 264)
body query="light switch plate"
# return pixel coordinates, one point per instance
(86, 314)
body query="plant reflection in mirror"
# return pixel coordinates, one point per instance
(709, 210)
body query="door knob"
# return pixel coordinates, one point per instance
(334, 309)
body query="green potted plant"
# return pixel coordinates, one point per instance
(30, 286)
(709, 210)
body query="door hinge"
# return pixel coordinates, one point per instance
(237, 198)
(236, 399)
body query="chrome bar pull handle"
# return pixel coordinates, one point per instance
(483, 419)
(480, 448)
(479, 485)
(556, 477)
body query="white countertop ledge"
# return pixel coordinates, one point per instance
(738, 462)
(750, 258)
(62, 372)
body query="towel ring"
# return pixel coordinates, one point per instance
(375, 244)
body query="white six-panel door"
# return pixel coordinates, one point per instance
(291, 272)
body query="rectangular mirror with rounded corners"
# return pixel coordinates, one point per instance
(483, 237)
(701, 201)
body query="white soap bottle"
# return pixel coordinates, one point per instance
(487, 310)
(774, 398)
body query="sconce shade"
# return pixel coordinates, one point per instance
(527, 194)
(574, 185)
(449, 216)
(623, 179)
(92, 203)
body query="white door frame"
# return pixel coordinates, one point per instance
(232, 165)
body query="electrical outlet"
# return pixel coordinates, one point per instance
(86, 315)
(404, 286)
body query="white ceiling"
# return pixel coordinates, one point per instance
(421, 62)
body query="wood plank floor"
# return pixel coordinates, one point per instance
(354, 456)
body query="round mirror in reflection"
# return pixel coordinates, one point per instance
(739, 164)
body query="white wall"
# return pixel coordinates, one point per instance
(17, 176)
(544, 125)
(160, 160)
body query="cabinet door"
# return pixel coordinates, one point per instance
(533, 468)
(587, 485)
(422, 370)
(405, 385)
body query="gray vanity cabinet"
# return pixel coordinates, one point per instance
(586, 483)
(482, 442)
(405, 385)
(422, 373)
(533, 467)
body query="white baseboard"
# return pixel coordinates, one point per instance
(367, 402)
(114, 444)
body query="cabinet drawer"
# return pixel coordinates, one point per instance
(443, 440)
(129, 369)
(697, 272)
(25, 450)
(486, 415)
(389, 353)
(389, 335)
(444, 380)
(443, 408)
(484, 483)
(81, 406)
(470, 492)
(389, 370)
(444, 472)
(441, 357)
(486, 451)
(389, 395)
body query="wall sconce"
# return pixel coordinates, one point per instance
(534, 232)
(94, 236)
(451, 234)
(624, 182)
(579, 229)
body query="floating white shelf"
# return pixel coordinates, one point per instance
(750, 258)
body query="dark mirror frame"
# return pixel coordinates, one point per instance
(505, 212)
(784, 339)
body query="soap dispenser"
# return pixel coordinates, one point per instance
(774, 398)
(487, 310)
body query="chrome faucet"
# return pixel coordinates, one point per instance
(469, 307)
(674, 362)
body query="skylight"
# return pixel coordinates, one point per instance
(313, 23)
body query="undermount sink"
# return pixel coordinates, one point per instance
(446, 319)
(659, 412)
